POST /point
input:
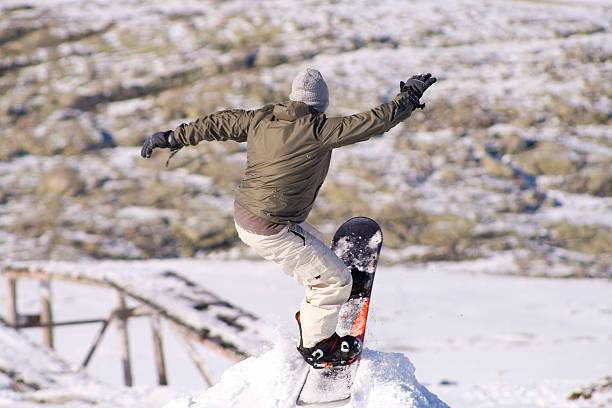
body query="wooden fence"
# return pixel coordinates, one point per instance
(193, 312)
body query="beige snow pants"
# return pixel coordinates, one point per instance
(301, 253)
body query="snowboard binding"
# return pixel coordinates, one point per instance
(334, 351)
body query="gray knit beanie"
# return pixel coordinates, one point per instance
(310, 87)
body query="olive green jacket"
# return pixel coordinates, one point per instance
(289, 148)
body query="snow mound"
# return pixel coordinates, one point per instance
(272, 380)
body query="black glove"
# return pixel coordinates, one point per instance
(163, 140)
(415, 87)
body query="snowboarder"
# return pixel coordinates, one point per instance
(289, 147)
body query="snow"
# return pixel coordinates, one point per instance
(146, 213)
(580, 208)
(383, 380)
(61, 387)
(344, 245)
(475, 339)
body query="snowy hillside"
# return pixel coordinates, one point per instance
(513, 154)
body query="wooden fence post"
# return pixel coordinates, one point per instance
(197, 360)
(98, 338)
(158, 349)
(10, 300)
(124, 345)
(46, 314)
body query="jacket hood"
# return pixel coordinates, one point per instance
(291, 110)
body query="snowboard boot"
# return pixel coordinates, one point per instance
(330, 352)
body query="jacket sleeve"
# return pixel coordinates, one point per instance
(223, 125)
(343, 131)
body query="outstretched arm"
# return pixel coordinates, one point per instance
(342, 131)
(223, 125)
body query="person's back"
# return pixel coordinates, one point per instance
(289, 148)
(286, 164)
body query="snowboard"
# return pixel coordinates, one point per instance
(357, 242)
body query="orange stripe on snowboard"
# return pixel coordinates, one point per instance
(358, 329)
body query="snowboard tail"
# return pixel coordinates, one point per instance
(327, 387)
(357, 242)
